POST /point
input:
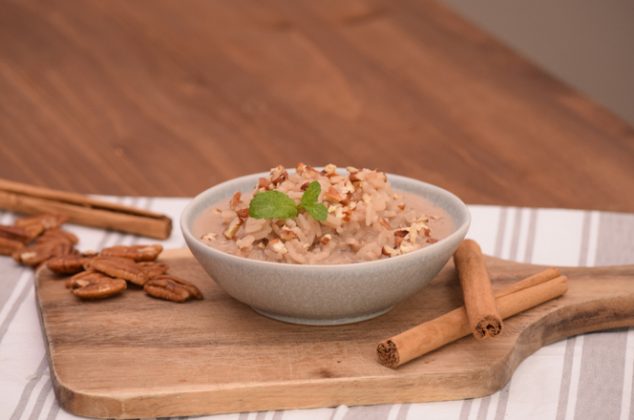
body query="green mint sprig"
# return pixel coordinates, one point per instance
(277, 205)
(309, 202)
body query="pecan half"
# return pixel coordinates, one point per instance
(93, 285)
(76, 280)
(66, 264)
(9, 246)
(57, 234)
(15, 233)
(123, 268)
(38, 253)
(153, 269)
(172, 288)
(45, 221)
(134, 252)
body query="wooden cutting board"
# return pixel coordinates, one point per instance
(133, 356)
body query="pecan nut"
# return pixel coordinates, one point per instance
(10, 246)
(57, 234)
(41, 221)
(134, 252)
(153, 269)
(118, 267)
(15, 233)
(36, 254)
(93, 285)
(172, 288)
(66, 264)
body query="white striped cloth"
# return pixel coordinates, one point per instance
(586, 377)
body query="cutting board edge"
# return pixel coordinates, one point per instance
(558, 324)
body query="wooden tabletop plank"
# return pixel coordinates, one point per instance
(168, 98)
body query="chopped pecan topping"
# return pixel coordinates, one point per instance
(235, 201)
(278, 175)
(330, 170)
(304, 186)
(333, 195)
(172, 288)
(431, 240)
(134, 252)
(347, 214)
(399, 235)
(93, 285)
(123, 268)
(389, 251)
(278, 246)
(243, 214)
(233, 227)
(66, 264)
(354, 178)
(264, 183)
(312, 170)
(325, 239)
(286, 234)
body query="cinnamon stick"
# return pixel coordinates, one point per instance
(431, 335)
(479, 302)
(83, 210)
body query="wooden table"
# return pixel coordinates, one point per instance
(166, 98)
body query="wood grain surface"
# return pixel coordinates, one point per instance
(133, 356)
(167, 98)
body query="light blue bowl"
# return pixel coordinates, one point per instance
(325, 294)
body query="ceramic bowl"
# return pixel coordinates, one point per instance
(325, 294)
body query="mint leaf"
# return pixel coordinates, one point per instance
(309, 202)
(277, 205)
(318, 211)
(311, 194)
(272, 205)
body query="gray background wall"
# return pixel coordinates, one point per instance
(588, 44)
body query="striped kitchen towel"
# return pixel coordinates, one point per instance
(585, 377)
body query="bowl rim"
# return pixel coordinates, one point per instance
(459, 231)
